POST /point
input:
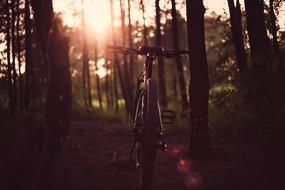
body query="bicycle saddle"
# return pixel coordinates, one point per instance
(157, 51)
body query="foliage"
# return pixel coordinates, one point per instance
(249, 104)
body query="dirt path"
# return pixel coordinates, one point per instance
(86, 163)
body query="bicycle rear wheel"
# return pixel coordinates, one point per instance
(149, 135)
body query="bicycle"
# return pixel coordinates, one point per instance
(149, 134)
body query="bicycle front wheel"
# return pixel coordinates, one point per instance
(149, 135)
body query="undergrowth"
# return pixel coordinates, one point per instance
(251, 104)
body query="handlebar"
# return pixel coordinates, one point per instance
(148, 50)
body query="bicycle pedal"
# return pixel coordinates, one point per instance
(168, 116)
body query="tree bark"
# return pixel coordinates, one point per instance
(131, 60)
(15, 93)
(237, 34)
(115, 58)
(59, 97)
(97, 77)
(86, 70)
(19, 55)
(126, 79)
(89, 93)
(161, 73)
(274, 31)
(28, 47)
(258, 39)
(107, 83)
(9, 67)
(144, 24)
(274, 27)
(179, 64)
(200, 145)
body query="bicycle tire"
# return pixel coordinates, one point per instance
(149, 136)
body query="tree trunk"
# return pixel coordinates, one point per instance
(179, 64)
(19, 55)
(144, 25)
(28, 47)
(9, 70)
(237, 34)
(15, 93)
(258, 39)
(107, 85)
(274, 27)
(161, 77)
(126, 79)
(200, 145)
(97, 77)
(274, 31)
(114, 58)
(83, 58)
(85, 63)
(131, 61)
(123, 87)
(59, 97)
(89, 93)
(116, 94)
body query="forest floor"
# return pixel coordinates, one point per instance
(87, 162)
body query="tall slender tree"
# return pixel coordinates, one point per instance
(97, 76)
(161, 73)
(274, 28)
(131, 57)
(179, 64)
(89, 92)
(200, 145)
(107, 83)
(144, 23)
(13, 32)
(259, 43)
(19, 54)
(59, 98)
(237, 33)
(126, 79)
(84, 71)
(115, 58)
(9, 67)
(28, 55)
(85, 63)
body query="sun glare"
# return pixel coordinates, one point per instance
(96, 13)
(102, 71)
(98, 17)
